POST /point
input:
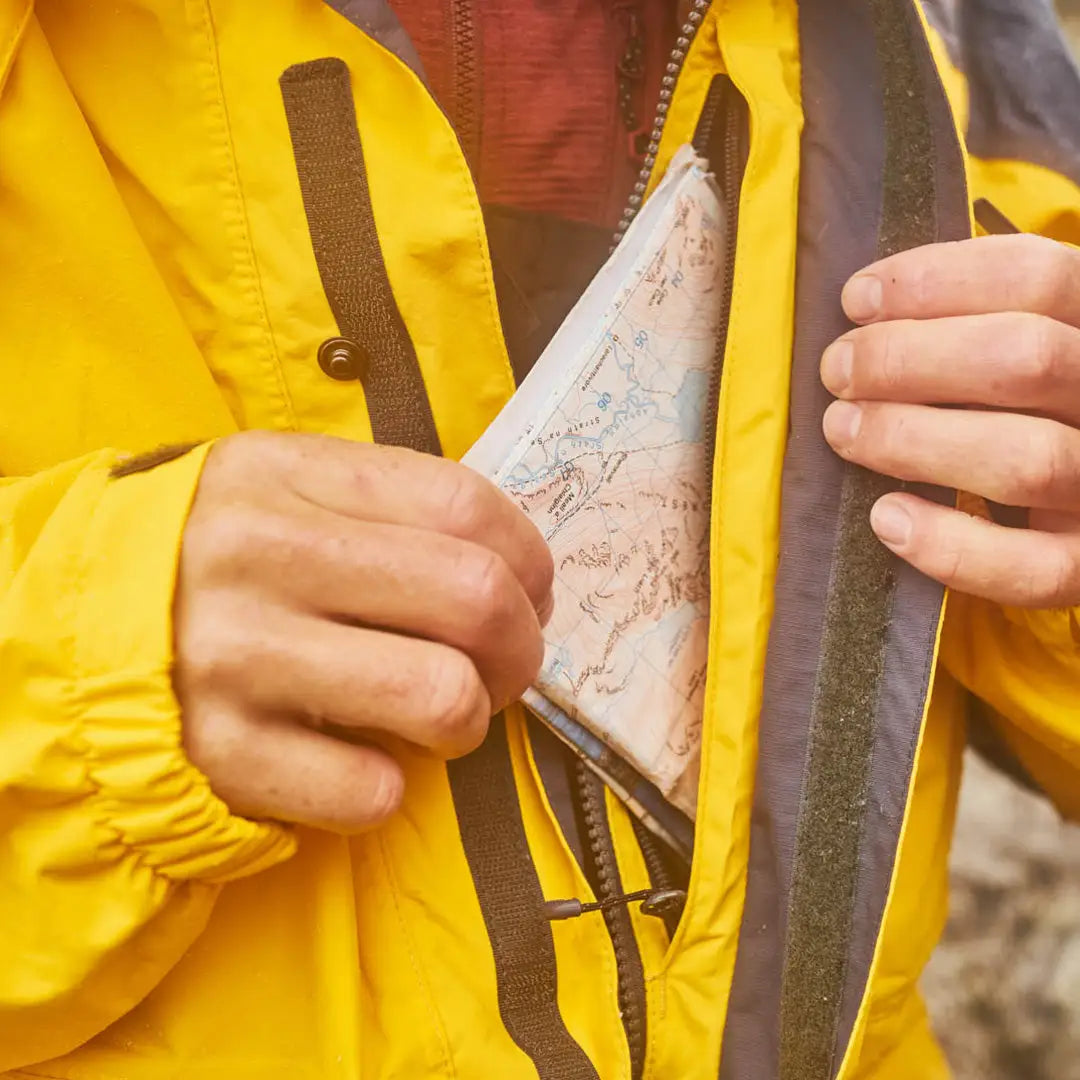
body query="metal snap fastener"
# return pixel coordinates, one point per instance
(343, 359)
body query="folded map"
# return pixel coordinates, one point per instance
(607, 447)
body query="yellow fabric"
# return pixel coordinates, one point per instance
(1024, 664)
(157, 284)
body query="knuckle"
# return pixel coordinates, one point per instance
(214, 742)
(1050, 269)
(916, 276)
(235, 455)
(456, 702)
(224, 535)
(882, 434)
(385, 798)
(1063, 268)
(1066, 590)
(951, 563)
(467, 502)
(213, 648)
(1041, 472)
(490, 585)
(544, 568)
(886, 355)
(1038, 349)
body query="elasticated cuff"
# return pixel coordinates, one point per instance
(158, 805)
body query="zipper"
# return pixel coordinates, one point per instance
(676, 59)
(722, 138)
(669, 876)
(603, 871)
(465, 80)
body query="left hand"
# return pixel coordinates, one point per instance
(992, 324)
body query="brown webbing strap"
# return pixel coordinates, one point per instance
(334, 184)
(511, 901)
(333, 181)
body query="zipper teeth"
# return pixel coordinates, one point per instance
(591, 796)
(676, 59)
(732, 182)
(463, 33)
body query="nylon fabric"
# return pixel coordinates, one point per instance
(162, 287)
(377, 19)
(507, 886)
(842, 863)
(839, 199)
(333, 179)
(1018, 109)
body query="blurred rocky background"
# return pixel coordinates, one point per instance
(1004, 987)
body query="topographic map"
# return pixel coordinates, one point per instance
(606, 447)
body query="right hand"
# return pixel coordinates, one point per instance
(336, 598)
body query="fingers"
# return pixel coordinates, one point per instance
(1015, 360)
(1016, 567)
(412, 581)
(401, 487)
(970, 277)
(323, 674)
(1009, 458)
(266, 768)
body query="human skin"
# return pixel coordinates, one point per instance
(335, 599)
(992, 324)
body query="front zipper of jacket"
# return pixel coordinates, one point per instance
(602, 869)
(722, 137)
(465, 80)
(676, 59)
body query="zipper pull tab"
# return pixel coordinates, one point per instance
(656, 902)
(556, 910)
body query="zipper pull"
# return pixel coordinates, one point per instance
(657, 902)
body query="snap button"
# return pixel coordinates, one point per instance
(343, 359)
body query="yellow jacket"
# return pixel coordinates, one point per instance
(159, 284)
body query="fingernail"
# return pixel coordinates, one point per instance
(546, 609)
(891, 522)
(836, 366)
(842, 423)
(862, 298)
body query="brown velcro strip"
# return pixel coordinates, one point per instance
(150, 459)
(836, 785)
(334, 184)
(512, 904)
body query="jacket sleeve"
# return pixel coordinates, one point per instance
(112, 846)
(1024, 667)
(1014, 86)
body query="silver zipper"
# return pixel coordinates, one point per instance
(667, 88)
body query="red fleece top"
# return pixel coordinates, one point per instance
(533, 88)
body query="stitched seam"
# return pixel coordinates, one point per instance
(7, 54)
(488, 278)
(471, 202)
(429, 999)
(217, 109)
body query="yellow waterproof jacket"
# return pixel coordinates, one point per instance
(193, 197)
